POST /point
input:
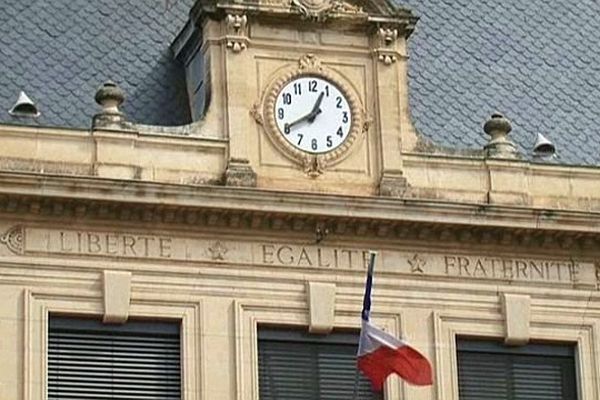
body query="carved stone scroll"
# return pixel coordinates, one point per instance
(14, 239)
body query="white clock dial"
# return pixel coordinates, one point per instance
(313, 114)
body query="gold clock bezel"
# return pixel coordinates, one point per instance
(309, 66)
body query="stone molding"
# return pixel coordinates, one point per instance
(235, 208)
(365, 13)
(393, 185)
(239, 173)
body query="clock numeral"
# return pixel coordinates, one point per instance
(314, 145)
(345, 117)
(300, 136)
(286, 129)
(297, 89)
(287, 98)
(339, 102)
(340, 132)
(327, 90)
(280, 113)
(329, 141)
(312, 86)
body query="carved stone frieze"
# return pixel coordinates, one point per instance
(55, 242)
(365, 13)
(483, 226)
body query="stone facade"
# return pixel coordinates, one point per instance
(219, 225)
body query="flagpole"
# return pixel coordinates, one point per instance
(366, 311)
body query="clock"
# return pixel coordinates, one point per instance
(313, 114)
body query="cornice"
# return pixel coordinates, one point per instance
(250, 208)
(341, 12)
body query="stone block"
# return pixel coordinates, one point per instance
(321, 299)
(117, 295)
(517, 315)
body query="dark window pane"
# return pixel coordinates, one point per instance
(297, 366)
(91, 360)
(491, 371)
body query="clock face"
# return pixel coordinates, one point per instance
(313, 114)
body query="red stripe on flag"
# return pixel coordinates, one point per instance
(404, 361)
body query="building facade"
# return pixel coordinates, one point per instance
(225, 257)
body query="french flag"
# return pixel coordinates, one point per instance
(381, 354)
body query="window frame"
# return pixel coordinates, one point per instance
(249, 314)
(294, 336)
(561, 354)
(488, 325)
(39, 304)
(86, 330)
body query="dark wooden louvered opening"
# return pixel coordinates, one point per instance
(492, 371)
(135, 361)
(294, 365)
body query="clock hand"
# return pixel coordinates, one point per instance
(310, 117)
(316, 109)
(296, 122)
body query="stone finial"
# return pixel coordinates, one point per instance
(109, 96)
(499, 146)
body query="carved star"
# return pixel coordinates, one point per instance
(416, 264)
(218, 251)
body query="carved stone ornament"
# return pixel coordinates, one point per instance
(14, 239)
(264, 114)
(321, 10)
(417, 264)
(385, 44)
(313, 166)
(237, 32)
(217, 251)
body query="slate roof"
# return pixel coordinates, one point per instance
(536, 61)
(60, 51)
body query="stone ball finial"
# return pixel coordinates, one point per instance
(110, 96)
(498, 127)
(497, 124)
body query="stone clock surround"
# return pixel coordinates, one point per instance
(249, 44)
(310, 65)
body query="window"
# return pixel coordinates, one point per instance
(294, 365)
(91, 360)
(492, 371)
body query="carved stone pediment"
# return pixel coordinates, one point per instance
(323, 9)
(319, 10)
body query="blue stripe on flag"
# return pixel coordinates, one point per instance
(366, 311)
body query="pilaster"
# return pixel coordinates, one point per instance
(390, 59)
